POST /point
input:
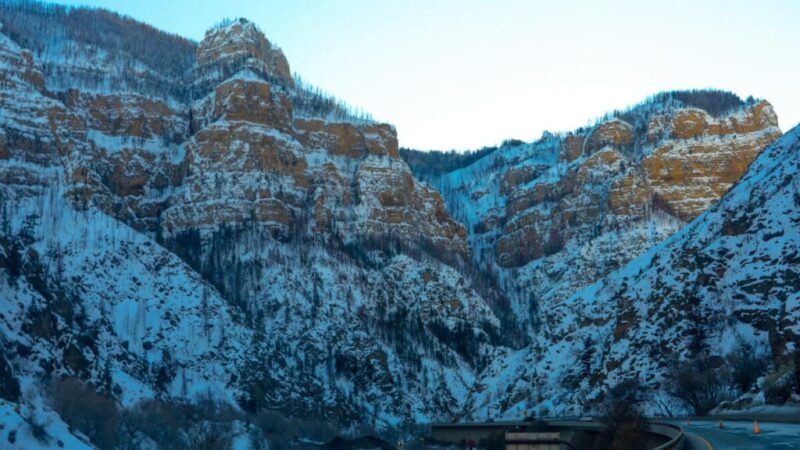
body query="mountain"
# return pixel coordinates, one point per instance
(191, 235)
(202, 224)
(728, 282)
(548, 218)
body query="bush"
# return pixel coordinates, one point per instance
(281, 431)
(699, 384)
(9, 386)
(797, 369)
(14, 262)
(38, 428)
(210, 436)
(746, 366)
(205, 425)
(623, 418)
(158, 421)
(84, 409)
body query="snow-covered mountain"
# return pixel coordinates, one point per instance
(550, 217)
(731, 276)
(553, 221)
(201, 237)
(182, 221)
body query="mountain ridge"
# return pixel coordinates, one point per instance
(237, 237)
(310, 228)
(592, 199)
(723, 257)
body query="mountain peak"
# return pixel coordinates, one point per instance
(239, 44)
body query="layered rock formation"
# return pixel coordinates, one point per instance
(234, 45)
(551, 217)
(218, 242)
(684, 163)
(185, 219)
(730, 277)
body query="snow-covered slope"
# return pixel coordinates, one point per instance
(550, 217)
(732, 273)
(183, 243)
(19, 434)
(182, 221)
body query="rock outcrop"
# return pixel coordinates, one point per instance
(683, 173)
(732, 276)
(286, 246)
(184, 219)
(551, 217)
(237, 44)
(704, 156)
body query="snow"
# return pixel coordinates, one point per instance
(127, 281)
(381, 337)
(114, 144)
(16, 421)
(130, 283)
(241, 442)
(651, 286)
(246, 75)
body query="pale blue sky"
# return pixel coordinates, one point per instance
(463, 74)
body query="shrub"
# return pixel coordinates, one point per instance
(746, 365)
(623, 418)
(86, 410)
(797, 369)
(699, 384)
(14, 262)
(9, 386)
(160, 422)
(38, 428)
(281, 431)
(205, 425)
(209, 436)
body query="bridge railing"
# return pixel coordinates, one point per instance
(674, 432)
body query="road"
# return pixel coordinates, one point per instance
(706, 435)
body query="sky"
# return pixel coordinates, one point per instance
(466, 74)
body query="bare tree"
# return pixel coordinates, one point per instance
(621, 414)
(94, 414)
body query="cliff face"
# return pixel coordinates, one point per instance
(683, 163)
(551, 217)
(218, 241)
(730, 277)
(228, 48)
(554, 220)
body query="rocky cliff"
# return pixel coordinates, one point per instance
(183, 221)
(550, 217)
(727, 283)
(176, 242)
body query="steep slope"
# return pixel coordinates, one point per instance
(731, 274)
(182, 220)
(198, 237)
(553, 216)
(318, 230)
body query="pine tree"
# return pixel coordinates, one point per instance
(14, 262)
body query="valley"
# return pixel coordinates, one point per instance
(190, 234)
